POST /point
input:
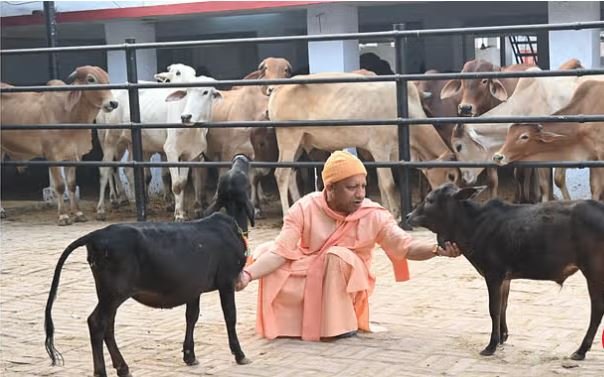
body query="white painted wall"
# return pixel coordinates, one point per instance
(117, 32)
(333, 56)
(581, 44)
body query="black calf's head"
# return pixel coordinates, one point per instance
(233, 193)
(442, 207)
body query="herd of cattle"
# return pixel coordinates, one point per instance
(502, 143)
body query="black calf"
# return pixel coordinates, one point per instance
(161, 265)
(234, 192)
(546, 241)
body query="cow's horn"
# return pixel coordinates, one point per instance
(72, 76)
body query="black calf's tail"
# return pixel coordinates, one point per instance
(55, 356)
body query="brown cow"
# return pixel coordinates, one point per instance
(478, 96)
(371, 100)
(57, 145)
(563, 140)
(242, 104)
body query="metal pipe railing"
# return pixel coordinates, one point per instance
(311, 164)
(326, 80)
(315, 123)
(400, 78)
(512, 29)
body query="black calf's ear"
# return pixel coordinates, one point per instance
(249, 210)
(469, 192)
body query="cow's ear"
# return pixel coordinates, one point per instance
(548, 136)
(469, 192)
(451, 88)
(72, 99)
(217, 95)
(176, 96)
(498, 90)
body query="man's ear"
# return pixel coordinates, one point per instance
(469, 192)
(498, 90)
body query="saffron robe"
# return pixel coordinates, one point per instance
(323, 287)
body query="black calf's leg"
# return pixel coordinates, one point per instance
(97, 324)
(503, 326)
(596, 294)
(494, 287)
(227, 301)
(116, 357)
(188, 347)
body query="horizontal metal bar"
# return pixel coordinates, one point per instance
(512, 29)
(315, 123)
(305, 164)
(326, 80)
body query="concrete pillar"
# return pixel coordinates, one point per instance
(333, 56)
(581, 44)
(146, 60)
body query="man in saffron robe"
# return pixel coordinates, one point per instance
(315, 278)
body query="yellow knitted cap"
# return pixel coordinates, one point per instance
(341, 165)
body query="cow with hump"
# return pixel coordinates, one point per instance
(163, 265)
(545, 241)
(563, 140)
(73, 106)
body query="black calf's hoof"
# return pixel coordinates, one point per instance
(243, 360)
(487, 351)
(504, 337)
(189, 358)
(124, 374)
(192, 362)
(577, 356)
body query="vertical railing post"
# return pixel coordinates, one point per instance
(502, 51)
(51, 37)
(135, 118)
(403, 129)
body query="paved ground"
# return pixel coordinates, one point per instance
(436, 323)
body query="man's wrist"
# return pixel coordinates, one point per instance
(435, 250)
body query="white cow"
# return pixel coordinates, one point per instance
(153, 109)
(188, 144)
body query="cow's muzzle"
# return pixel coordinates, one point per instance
(110, 106)
(499, 158)
(465, 110)
(186, 118)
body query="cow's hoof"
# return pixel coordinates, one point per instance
(115, 204)
(258, 214)
(577, 356)
(125, 373)
(170, 207)
(487, 351)
(123, 202)
(2, 214)
(80, 218)
(101, 216)
(504, 338)
(179, 219)
(192, 362)
(243, 361)
(64, 220)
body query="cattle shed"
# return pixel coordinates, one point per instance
(99, 23)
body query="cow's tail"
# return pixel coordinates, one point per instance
(49, 327)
